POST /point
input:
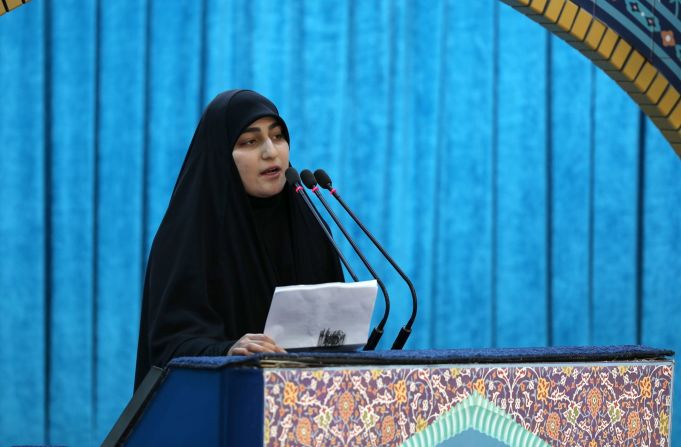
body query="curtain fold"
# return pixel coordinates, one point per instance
(72, 120)
(23, 228)
(572, 146)
(520, 184)
(120, 253)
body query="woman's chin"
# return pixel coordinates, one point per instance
(268, 190)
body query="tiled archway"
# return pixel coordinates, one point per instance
(633, 41)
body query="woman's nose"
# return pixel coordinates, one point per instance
(269, 149)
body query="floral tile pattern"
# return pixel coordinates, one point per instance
(566, 405)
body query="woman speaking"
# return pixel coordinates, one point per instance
(233, 231)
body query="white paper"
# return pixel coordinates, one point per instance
(321, 315)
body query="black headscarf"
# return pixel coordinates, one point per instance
(211, 271)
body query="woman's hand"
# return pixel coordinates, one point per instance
(253, 344)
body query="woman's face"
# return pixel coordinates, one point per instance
(261, 157)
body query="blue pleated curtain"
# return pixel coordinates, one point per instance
(521, 189)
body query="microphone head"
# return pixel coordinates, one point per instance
(292, 176)
(323, 179)
(308, 178)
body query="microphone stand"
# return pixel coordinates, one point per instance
(377, 332)
(325, 182)
(293, 179)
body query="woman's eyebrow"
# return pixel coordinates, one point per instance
(257, 129)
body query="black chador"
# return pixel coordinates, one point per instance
(219, 253)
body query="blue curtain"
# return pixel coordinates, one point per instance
(524, 192)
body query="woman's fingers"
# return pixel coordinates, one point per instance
(238, 351)
(266, 341)
(280, 349)
(254, 343)
(260, 337)
(266, 347)
(257, 347)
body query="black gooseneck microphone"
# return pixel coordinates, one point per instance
(293, 179)
(311, 183)
(324, 181)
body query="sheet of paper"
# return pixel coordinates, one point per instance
(321, 315)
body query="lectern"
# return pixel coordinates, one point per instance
(587, 396)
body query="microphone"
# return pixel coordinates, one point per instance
(293, 179)
(325, 182)
(311, 183)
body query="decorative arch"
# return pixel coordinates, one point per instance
(8, 5)
(632, 41)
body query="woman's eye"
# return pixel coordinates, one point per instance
(250, 142)
(279, 137)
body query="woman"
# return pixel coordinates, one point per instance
(233, 231)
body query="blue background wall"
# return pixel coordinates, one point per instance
(522, 190)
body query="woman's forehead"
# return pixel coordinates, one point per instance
(264, 121)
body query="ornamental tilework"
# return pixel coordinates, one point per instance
(569, 405)
(652, 27)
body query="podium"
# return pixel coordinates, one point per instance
(567, 396)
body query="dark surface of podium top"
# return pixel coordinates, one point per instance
(560, 354)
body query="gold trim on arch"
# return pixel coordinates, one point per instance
(634, 73)
(8, 5)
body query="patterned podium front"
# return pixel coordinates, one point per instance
(567, 404)
(560, 397)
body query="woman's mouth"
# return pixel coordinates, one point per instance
(271, 172)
